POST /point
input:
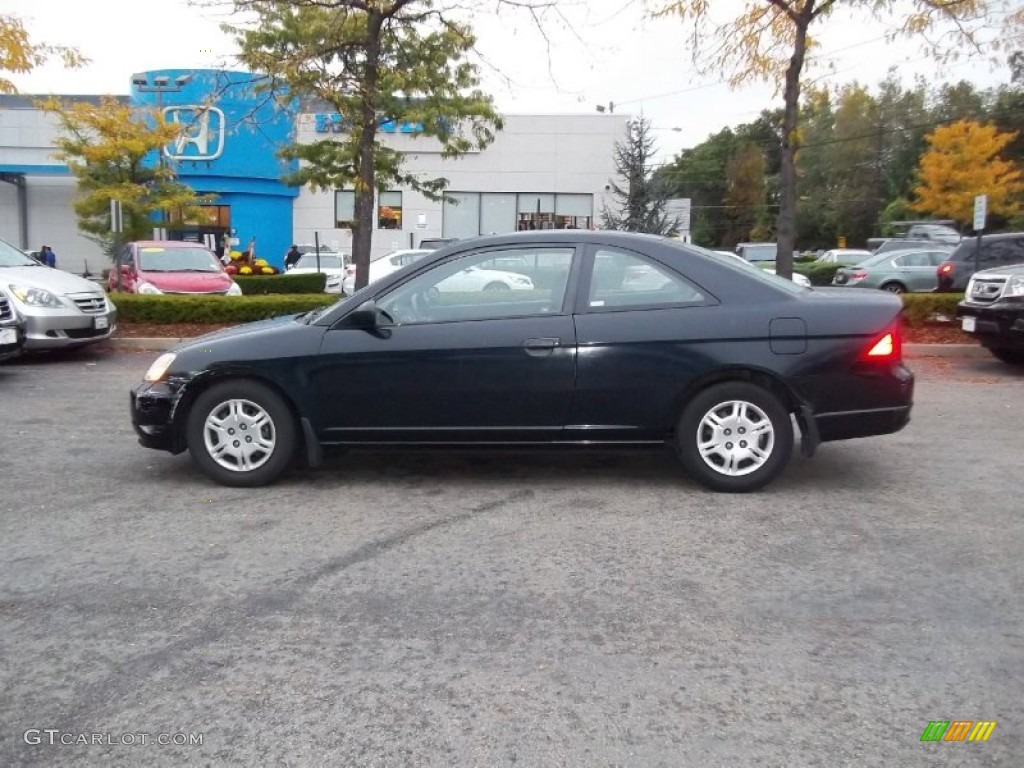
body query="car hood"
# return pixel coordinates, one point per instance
(187, 282)
(236, 332)
(312, 271)
(1007, 271)
(54, 280)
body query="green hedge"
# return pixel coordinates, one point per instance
(920, 308)
(818, 274)
(164, 310)
(253, 285)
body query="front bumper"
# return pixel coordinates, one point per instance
(154, 408)
(66, 327)
(10, 350)
(999, 324)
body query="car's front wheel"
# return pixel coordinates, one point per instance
(241, 433)
(735, 437)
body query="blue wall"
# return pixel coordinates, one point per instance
(247, 173)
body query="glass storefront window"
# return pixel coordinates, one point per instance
(497, 213)
(389, 210)
(344, 209)
(461, 217)
(536, 211)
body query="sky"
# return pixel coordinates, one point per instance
(588, 53)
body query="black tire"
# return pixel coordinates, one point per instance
(894, 287)
(280, 431)
(495, 287)
(752, 472)
(1010, 355)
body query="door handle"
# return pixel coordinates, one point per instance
(540, 344)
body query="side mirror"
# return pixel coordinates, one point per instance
(367, 316)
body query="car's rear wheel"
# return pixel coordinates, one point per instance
(734, 436)
(495, 287)
(894, 288)
(241, 433)
(1009, 355)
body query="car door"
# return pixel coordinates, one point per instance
(453, 366)
(632, 358)
(916, 271)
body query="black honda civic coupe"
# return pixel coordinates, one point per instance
(543, 338)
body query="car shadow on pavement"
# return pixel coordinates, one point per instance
(832, 469)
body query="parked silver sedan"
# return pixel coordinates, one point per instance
(59, 309)
(895, 271)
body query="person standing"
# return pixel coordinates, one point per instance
(292, 257)
(49, 257)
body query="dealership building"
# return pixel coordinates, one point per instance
(541, 172)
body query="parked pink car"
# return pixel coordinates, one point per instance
(170, 266)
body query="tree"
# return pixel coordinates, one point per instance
(641, 202)
(769, 40)
(109, 149)
(963, 161)
(745, 193)
(19, 55)
(372, 61)
(698, 173)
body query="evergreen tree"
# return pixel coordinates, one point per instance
(641, 200)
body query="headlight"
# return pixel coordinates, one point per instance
(801, 280)
(234, 290)
(159, 367)
(148, 289)
(969, 291)
(1014, 287)
(36, 297)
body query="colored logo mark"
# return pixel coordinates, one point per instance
(958, 730)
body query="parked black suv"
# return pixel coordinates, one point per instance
(993, 310)
(996, 251)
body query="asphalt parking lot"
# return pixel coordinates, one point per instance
(507, 609)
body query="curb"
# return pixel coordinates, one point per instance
(972, 351)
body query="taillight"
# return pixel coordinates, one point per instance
(858, 275)
(887, 347)
(945, 268)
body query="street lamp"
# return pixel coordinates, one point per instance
(160, 85)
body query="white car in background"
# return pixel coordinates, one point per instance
(801, 280)
(334, 265)
(474, 279)
(385, 265)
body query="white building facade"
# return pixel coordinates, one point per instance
(541, 172)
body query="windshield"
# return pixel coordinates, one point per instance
(764, 252)
(327, 261)
(157, 259)
(12, 257)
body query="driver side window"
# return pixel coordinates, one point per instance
(486, 285)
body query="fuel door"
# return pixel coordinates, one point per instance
(788, 335)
